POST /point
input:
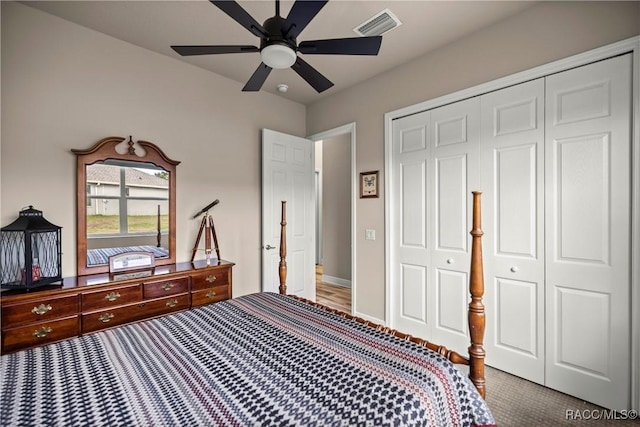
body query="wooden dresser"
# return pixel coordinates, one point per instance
(85, 304)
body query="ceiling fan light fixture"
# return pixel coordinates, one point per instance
(278, 56)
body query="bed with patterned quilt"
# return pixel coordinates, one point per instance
(261, 359)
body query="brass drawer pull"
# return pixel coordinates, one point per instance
(210, 278)
(41, 309)
(104, 318)
(112, 296)
(42, 332)
(172, 303)
(167, 286)
(141, 305)
(211, 294)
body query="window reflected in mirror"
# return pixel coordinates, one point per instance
(127, 210)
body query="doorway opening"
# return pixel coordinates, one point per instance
(335, 186)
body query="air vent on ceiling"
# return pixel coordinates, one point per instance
(379, 24)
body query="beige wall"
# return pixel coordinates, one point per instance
(336, 207)
(544, 33)
(64, 87)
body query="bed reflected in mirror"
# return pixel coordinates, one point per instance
(126, 203)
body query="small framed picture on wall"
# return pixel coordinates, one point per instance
(368, 184)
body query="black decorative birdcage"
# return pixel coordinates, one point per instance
(30, 251)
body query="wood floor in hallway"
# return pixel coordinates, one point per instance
(333, 296)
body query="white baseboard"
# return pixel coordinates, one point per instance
(370, 318)
(336, 281)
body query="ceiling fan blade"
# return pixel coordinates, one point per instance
(319, 82)
(235, 11)
(348, 46)
(213, 50)
(257, 79)
(301, 13)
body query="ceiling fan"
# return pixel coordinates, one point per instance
(278, 45)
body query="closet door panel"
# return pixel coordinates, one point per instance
(451, 203)
(588, 151)
(512, 151)
(451, 314)
(454, 157)
(413, 227)
(516, 191)
(582, 184)
(517, 300)
(410, 240)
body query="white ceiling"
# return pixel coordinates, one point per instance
(156, 25)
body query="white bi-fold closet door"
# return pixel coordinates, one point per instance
(552, 158)
(588, 231)
(513, 141)
(435, 167)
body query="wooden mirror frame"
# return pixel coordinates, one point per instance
(105, 149)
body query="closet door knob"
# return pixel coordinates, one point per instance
(514, 269)
(450, 261)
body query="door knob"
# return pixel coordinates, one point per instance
(514, 269)
(450, 261)
(269, 247)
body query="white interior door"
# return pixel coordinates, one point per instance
(454, 174)
(434, 169)
(410, 254)
(588, 152)
(288, 175)
(513, 212)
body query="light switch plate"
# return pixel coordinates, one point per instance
(370, 234)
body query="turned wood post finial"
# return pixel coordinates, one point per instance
(282, 268)
(477, 317)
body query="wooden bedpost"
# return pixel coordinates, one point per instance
(477, 316)
(159, 235)
(282, 268)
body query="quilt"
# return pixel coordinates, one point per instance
(258, 360)
(101, 256)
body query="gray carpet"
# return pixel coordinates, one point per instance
(520, 403)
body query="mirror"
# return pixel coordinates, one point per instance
(125, 203)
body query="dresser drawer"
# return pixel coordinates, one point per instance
(39, 334)
(165, 287)
(39, 310)
(208, 296)
(95, 321)
(109, 318)
(161, 306)
(111, 297)
(212, 278)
